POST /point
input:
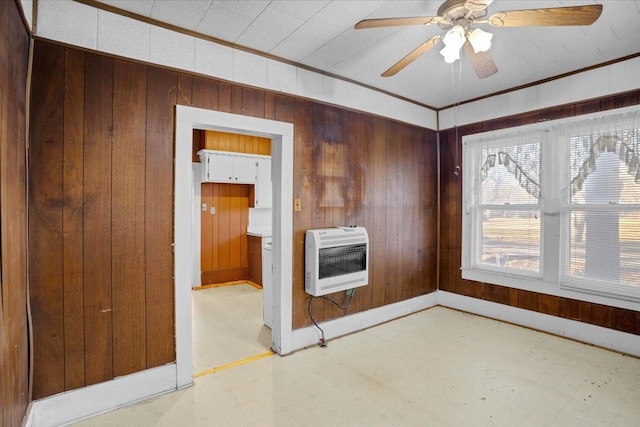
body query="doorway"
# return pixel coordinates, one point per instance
(232, 225)
(281, 135)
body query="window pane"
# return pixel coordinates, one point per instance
(511, 174)
(511, 239)
(605, 246)
(604, 169)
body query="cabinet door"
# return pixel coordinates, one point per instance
(244, 170)
(219, 168)
(263, 186)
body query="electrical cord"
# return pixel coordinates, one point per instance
(322, 341)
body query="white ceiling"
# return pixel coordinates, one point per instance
(319, 34)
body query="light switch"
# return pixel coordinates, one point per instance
(297, 205)
(213, 210)
(204, 207)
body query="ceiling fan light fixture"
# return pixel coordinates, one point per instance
(454, 37)
(453, 42)
(450, 54)
(480, 40)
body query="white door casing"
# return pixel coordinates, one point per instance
(281, 135)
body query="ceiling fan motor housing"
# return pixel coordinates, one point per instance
(458, 12)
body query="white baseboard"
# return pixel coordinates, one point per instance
(310, 335)
(76, 405)
(89, 401)
(584, 332)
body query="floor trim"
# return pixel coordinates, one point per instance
(89, 401)
(610, 339)
(305, 337)
(76, 405)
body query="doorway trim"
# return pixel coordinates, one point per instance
(281, 134)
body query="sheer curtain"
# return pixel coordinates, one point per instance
(601, 204)
(583, 176)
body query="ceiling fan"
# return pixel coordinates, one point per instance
(461, 17)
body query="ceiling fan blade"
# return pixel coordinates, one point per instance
(482, 62)
(395, 22)
(412, 56)
(554, 16)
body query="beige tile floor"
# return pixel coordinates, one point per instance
(439, 367)
(227, 325)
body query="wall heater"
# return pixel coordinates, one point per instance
(336, 259)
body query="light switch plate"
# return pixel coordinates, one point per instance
(297, 205)
(204, 207)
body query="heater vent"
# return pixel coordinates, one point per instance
(336, 259)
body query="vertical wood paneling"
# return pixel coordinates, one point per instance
(224, 224)
(224, 246)
(569, 308)
(14, 346)
(302, 189)
(185, 89)
(215, 225)
(128, 217)
(285, 106)
(98, 309)
(391, 201)
(205, 93)
(206, 229)
(378, 232)
(235, 224)
(368, 202)
(72, 220)
(162, 94)
(253, 102)
(45, 222)
(408, 198)
(236, 143)
(224, 97)
(235, 99)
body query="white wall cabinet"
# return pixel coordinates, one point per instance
(263, 190)
(239, 168)
(236, 168)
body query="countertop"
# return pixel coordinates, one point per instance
(259, 232)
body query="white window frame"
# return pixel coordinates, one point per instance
(551, 279)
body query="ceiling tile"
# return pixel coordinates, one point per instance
(141, 7)
(180, 13)
(320, 34)
(223, 22)
(280, 26)
(298, 10)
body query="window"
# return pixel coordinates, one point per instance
(556, 206)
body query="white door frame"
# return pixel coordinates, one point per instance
(281, 135)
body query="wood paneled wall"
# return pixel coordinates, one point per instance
(236, 143)
(451, 226)
(224, 141)
(14, 357)
(100, 205)
(355, 169)
(101, 211)
(223, 242)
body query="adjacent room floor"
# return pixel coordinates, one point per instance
(227, 325)
(437, 367)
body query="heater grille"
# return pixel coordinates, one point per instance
(342, 260)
